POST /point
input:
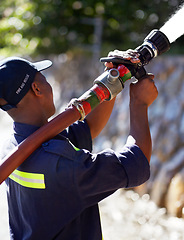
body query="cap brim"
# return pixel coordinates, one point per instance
(42, 65)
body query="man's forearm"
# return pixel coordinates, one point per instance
(99, 117)
(139, 128)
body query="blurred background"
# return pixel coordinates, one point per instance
(74, 35)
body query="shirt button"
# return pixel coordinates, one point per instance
(45, 144)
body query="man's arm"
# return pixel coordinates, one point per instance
(142, 94)
(99, 117)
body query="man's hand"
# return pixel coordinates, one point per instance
(129, 55)
(143, 92)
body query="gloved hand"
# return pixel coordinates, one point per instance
(130, 55)
(121, 57)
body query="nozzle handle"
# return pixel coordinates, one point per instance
(116, 60)
(137, 70)
(140, 73)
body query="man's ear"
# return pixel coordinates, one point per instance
(36, 89)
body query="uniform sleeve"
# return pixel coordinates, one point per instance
(79, 134)
(99, 175)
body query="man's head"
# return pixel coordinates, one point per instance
(24, 91)
(16, 77)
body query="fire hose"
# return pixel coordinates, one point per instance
(105, 88)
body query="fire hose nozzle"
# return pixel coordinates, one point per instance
(154, 44)
(112, 81)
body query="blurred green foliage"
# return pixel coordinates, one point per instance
(32, 27)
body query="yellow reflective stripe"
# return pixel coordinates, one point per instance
(30, 180)
(76, 149)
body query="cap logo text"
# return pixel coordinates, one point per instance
(23, 84)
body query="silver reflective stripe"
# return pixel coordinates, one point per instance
(30, 180)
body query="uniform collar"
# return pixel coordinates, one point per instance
(23, 129)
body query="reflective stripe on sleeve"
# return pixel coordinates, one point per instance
(76, 149)
(30, 180)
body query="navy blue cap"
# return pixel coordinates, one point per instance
(16, 77)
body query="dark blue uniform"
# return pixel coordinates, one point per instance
(54, 194)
